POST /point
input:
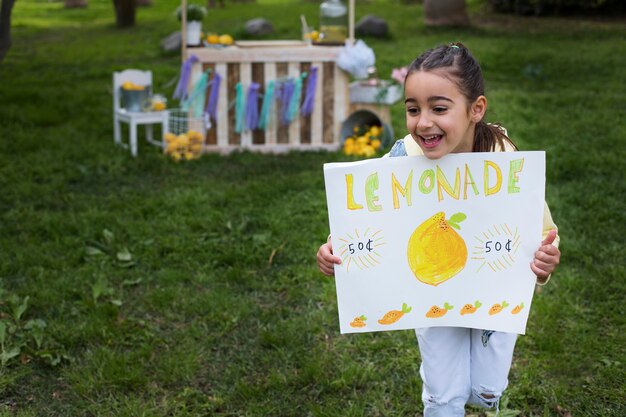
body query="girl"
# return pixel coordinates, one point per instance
(445, 106)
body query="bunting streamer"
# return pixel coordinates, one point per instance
(240, 108)
(309, 94)
(252, 107)
(268, 99)
(294, 103)
(286, 93)
(211, 108)
(181, 91)
(197, 98)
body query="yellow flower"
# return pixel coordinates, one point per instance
(375, 130)
(194, 135)
(376, 144)
(368, 151)
(183, 140)
(169, 137)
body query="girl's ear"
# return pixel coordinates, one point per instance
(478, 109)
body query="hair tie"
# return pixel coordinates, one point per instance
(455, 46)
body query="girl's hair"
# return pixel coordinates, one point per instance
(463, 69)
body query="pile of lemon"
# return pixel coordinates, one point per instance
(366, 144)
(131, 86)
(185, 146)
(215, 39)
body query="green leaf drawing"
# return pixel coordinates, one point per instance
(455, 219)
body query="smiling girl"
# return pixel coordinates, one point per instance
(445, 107)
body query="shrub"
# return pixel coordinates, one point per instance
(558, 7)
(194, 12)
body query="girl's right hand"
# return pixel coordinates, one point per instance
(326, 261)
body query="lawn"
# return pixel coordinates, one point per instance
(145, 287)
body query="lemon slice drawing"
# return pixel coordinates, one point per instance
(436, 252)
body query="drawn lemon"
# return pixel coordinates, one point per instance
(436, 252)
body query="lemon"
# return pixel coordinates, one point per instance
(158, 106)
(436, 252)
(213, 39)
(226, 39)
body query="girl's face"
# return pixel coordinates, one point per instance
(438, 116)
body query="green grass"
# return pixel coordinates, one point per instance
(205, 299)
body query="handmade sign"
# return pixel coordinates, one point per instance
(443, 242)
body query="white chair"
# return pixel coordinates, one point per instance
(135, 118)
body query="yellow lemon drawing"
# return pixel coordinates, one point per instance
(436, 252)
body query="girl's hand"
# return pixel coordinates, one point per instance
(547, 258)
(326, 260)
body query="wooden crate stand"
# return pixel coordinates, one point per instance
(262, 62)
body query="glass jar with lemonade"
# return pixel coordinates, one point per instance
(333, 22)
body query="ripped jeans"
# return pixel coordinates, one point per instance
(463, 366)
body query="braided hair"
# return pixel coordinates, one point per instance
(463, 69)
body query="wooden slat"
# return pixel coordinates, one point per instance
(269, 54)
(328, 107)
(341, 102)
(282, 131)
(258, 76)
(211, 134)
(232, 80)
(305, 121)
(316, 117)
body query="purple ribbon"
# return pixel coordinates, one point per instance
(252, 106)
(183, 82)
(309, 96)
(286, 91)
(211, 107)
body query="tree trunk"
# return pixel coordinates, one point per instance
(73, 4)
(124, 13)
(445, 13)
(212, 4)
(5, 27)
(143, 3)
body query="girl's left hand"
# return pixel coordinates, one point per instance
(547, 257)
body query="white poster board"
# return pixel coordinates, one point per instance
(443, 242)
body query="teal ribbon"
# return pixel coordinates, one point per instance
(197, 97)
(294, 104)
(240, 108)
(268, 99)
